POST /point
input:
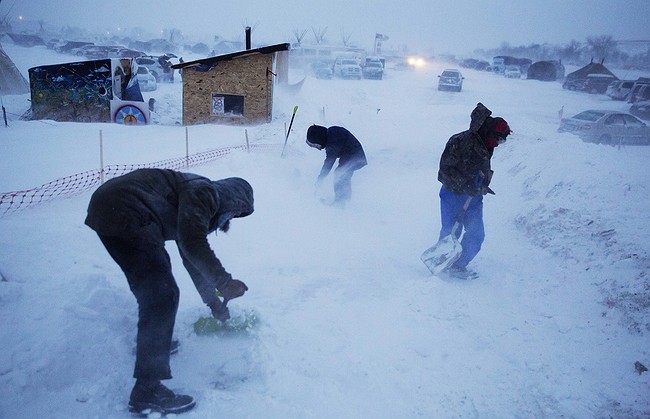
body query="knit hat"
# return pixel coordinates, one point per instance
(501, 126)
(496, 131)
(317, 136)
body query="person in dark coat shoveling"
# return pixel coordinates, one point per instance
(134, 215)
(465, 171)
(338, 143)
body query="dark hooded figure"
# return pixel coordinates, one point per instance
(338, 143)
(465, 171)
(134, 215)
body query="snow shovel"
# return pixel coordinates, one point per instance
(242, 322)
(443, 254)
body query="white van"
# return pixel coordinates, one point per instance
(619, 89)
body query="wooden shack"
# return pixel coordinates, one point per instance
(235, 88)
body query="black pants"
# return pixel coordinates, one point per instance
(149, 272)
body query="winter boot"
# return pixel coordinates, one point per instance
(461, 272)
(151, 396)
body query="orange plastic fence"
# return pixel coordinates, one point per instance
(81, 182)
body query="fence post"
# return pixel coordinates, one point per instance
(187, 148)
(101, 157)
(248, 147)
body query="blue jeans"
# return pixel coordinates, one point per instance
(451, 207)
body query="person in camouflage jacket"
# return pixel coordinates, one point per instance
(134, 215)
(465, 171)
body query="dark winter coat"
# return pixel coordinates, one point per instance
(156, 205)
(341, 144)
(465, 162)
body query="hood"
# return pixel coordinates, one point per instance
(235, 196)
(317, 135)
(478, 117)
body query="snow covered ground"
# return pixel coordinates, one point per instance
(352, 325)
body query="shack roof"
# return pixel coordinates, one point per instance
(211, 61)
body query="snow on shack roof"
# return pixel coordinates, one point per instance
(210, 61)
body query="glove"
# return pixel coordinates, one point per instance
(233, 289)
(219, 310)
(486, 190)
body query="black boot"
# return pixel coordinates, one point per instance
(153, 396)
(173, 349)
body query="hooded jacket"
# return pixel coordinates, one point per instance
(465, 162)
(152, 206)
(339, 143)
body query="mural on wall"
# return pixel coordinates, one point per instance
(88, 91)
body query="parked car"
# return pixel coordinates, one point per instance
(159, 66)
(512, 72)
(619, 89)
(597, 83)
(607, 127)
(593, 83)
(128, 53)
(347, 68)
(482, 66)
(639, 92)
(321, 69)
(468, 63)
(574, 84)
(451, 79)
(146, 80)
(65, 47)
(97, 52)
(373, 70)
(641, 109)
(83, 50)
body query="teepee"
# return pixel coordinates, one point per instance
(11, 81)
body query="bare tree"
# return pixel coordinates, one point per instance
(319, 34)
(299, 34)
(601, 46)
(345, 38)
(571, 52)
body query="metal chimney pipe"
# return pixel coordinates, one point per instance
(248, 37)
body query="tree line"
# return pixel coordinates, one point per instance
(597, 48)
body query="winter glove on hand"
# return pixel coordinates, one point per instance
(233, 289)
(486, 190)
(219, 310)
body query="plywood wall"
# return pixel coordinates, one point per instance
(243, 76)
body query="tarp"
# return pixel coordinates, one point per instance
(545, 71)
(12, 81)
(591, 68)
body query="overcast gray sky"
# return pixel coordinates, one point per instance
(451, 26)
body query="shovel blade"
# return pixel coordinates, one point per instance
(442, 255)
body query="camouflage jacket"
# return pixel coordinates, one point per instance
(465, 162)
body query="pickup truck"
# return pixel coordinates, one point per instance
(347, 68)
